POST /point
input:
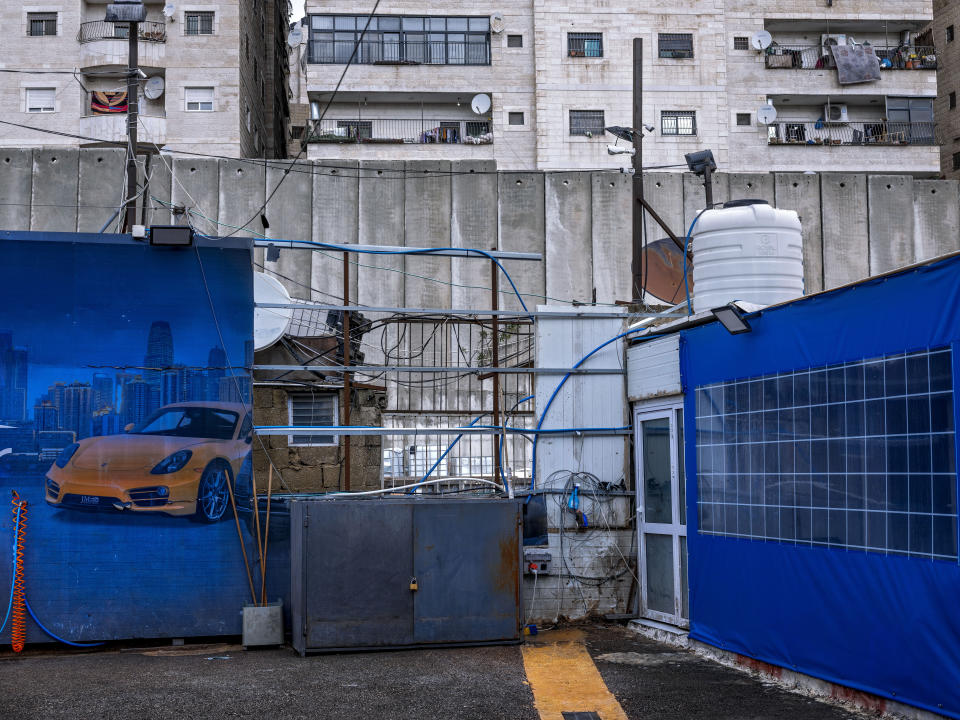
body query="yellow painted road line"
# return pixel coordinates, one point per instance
(563, 678)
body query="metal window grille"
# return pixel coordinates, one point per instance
(678, 122)
(741, 43)
(585, 44)
(515, 118)
(312, 410)
(586, 122)
(515, 41)
(476, 128)
(41, 100)
(199, 23)
(675, 45)
(743, 119)
(40, 24)
(358, 129)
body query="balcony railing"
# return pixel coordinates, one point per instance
(379, 52)
(865, 132)
(426, 131)
(101, 30)
(817, 57)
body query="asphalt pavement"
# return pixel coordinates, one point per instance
(647, 680)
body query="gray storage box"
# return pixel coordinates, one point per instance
(263, 625)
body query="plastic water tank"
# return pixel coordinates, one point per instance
(747, 251)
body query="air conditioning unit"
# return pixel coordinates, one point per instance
(835, 112)
(826, 40)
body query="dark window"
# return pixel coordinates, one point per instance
(949, 33)
(678, 122)
(956, 161)
(515, 41)
(199, 23)
(675, 45)
(586, 122)
(585, 44)
(741, 43)
(743, 119)
(911, 119)
(515, 118)
(399, 40)
(953, 100)
(41, 23)
(312, 410)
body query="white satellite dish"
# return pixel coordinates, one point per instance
(269, 324)
(295, 37)
(766, 114)
(153, 87)
(169, 9)
(761, 40)
(480, 104)
(496, 22)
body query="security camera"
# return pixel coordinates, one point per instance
(619, 150)
(142, 74)
(649, 128)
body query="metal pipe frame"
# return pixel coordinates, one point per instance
(426, 431)
(368, 369)
(518, 314)
(390, 249)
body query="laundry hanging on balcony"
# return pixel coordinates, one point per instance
(108, 103)
(855, 63)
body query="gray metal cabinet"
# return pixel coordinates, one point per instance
(354, 563)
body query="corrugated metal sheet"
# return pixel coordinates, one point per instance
(653, 368)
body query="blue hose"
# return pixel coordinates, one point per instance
(445, 453)
(57, 637)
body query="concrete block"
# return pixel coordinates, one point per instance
(289, 214)
(522, 229)
(160, 172)
(801, 192)
(336, 196)
(757, 186)
(241, 193)
(196, 186)
(381, 215)
(612, 236)
(936, 218)
(427, 224)
(890, 216)
(16, 185)
(55, 189)
(101, 188)
(664, 192)
(569, 251)
(473, 224)
(843, 200)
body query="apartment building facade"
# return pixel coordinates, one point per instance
(211, 70)
(944, 28)
(557, 74)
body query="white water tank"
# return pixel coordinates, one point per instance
(747, 251)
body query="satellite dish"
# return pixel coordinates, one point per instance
(480, 104)
(761, 40)
(153, 87)
(295, 37)
(169, 9)
(766, 114)
(496, 22)
(269, 324)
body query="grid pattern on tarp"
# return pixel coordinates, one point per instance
(858, 455)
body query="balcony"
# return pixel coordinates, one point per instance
(862, 133)
(104, 44)
(112, 127)
(381, 131)
(407, 52)
(818, 57)
(101, 30)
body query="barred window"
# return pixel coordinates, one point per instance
(675, 45)
(585, 44)
(586, 122)
(743, 119)
(199, 23)
(312, 410)
(678, 122)
(41, 23)
(741, 43)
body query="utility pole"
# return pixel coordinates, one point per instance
(636, 265)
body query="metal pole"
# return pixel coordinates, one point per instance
(133, 111)
(637, 260)
(495, 326)
(708, 185)
(346, 375)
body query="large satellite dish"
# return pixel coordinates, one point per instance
(480, 104)
(663, 272)
(766, 114)
(761, 40)
(295, 37)
(269, 324)
(169, 9)
(153, 87)
(496, 22)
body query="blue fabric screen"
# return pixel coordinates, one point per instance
(822, 496)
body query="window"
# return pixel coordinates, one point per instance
(312, 410)
(515, 118)
(675, 45)
(41, 23)
(743, 119)
(586, 122)
(515, 41)
(41, 100)
(858, 455)
(949, 33)
(741, 43)
(953, 100)
(399, 39)
(199, 99)
(585, 44)
(910, 119)
(199, 23)
(678, 122)
(956, 161)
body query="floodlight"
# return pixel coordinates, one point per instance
(701, 161)
(126, 11)
(620, 150)
(731, 317)
(171, 235)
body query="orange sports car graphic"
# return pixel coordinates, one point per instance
(178, 461)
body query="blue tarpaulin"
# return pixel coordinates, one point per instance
(822, 486)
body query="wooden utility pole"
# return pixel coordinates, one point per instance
(346, 375)
(636, 265)
(133, 112)
(495, 329)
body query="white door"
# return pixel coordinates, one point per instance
(662, 515)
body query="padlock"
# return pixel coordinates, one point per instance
(413, 584)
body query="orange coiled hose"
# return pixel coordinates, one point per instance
(18, 617)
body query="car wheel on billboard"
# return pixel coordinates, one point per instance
(213, 494)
